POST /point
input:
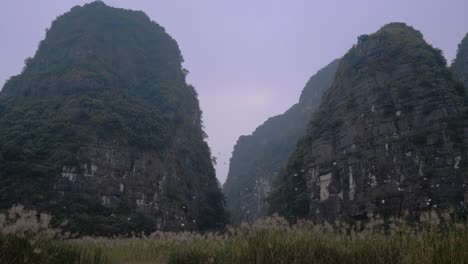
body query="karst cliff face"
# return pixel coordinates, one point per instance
(387, 139)
(460, 64)
(258, 158)
(460, 69)
(101, 129)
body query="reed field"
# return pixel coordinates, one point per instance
(27, 237)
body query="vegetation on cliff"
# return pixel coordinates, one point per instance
(101, 74)
(258, 158)
(460, 64)
(386, 75)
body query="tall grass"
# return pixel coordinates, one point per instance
(26, 237)
(15, 249)
(155, 248)
(274, 241)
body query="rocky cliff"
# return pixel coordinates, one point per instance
(387, 138)
(258, 158)
(460, 64)
(101, 129)
(460, 70)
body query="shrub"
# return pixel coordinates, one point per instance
(26, 237)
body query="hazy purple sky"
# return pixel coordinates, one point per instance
(248, 59)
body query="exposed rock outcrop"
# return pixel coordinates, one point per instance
(460, 70)
(387, 139)
(102, 130)
(258, 158)
(460, 64)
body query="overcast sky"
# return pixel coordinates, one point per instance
(248, 59)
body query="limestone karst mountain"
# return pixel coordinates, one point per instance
(102, 130)
(460, 64)
(387, 138)
(460, 69)
(258, 158)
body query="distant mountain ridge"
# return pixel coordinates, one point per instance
(460, 64)
(258, 158)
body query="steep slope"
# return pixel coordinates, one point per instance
(259, 157)
(460, 64)
(386, 140)
(101, 129)
(460, 70)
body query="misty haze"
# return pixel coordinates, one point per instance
(234, 131)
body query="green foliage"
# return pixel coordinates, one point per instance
(419, 138)
(26, 237)
(393, 50)
(212, 213)
(263, 155)
(363, 38)
(290, 198)
(18, 250)
(101, 75)
(272, 240)
(460, 64)
(308, 244)
(84, 214)
(351, 104)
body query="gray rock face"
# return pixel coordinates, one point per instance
(460, 69)
(102, 130)
(387, 139)
(460, 64)
(258, 158)
(150, 182)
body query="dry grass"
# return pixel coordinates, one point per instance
(27, 238)
(274, 241)
(155, 248)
